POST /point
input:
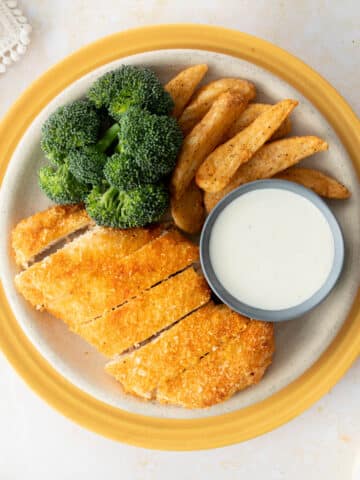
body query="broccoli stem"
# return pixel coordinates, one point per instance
(110, 196)
(108, 138)
(63, 170)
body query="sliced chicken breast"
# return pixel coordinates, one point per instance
(227, 369)
(177, 349)
(37, 233)
(101, 270)
(84, 278)
(147, 314)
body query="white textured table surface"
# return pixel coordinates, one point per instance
(324, 442)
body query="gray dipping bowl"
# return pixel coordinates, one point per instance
(258, 313)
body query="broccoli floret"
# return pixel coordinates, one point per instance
(87, 163)
(71, 126)
(105, 88)
(129, 85)
(152, 140)
(112, 207)
(146, 204)
(60, 185)
(122, 172)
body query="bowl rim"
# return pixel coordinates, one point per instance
(258, 313)
(174, 434)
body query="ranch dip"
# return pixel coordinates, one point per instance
(271, 249)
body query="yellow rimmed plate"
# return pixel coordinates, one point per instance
(276, 74)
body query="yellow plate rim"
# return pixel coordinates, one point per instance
(173, 434)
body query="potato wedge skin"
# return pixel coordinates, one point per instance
(252, 111)
(319, 182)
(271, 159)
(282, 131)
(183, 85)
(203, 99)
(219, 167)
(188, 212)
(204, 137)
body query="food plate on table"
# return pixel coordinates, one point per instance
(311, 353)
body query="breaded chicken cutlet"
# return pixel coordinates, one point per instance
(176, 349)
(201, 361)
(135, 296)
(37, 233)
(225, 370)
(147, 314)
(101, 270)
(85, 278)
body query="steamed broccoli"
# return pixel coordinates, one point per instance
(60, 185)
(152, 140)
(129, 85)
(105, 88)
(73, 125)
(87, 163)
(121, 189)
(121, 171)
(140, 206)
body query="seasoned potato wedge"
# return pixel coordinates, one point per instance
(218, 168)
(271, 159)
(183, 86)
(252, 111)
(202, 140)
(188, 211)
(319, 182)
(203, 99)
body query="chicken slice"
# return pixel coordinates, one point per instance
(84, 278)
(177, 349)
(102, 270)
(37, 233)
(147, 314)
(233, 366)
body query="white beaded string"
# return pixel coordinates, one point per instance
(14, 33)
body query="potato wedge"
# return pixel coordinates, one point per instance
(319, 182)
(271, 159)
(219, 167)
(282, 131)
(252, 111)
(182, 87)
(202, 140)
(188, 212)
(203, 99)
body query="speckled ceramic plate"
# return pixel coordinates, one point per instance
(311, 353)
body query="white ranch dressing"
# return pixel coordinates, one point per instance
(271, 248)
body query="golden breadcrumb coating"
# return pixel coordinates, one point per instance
(178, 348)
(92, 274)
(147, 314)
(34, 234)
(227, 369)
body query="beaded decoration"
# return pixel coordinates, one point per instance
(14, 33)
